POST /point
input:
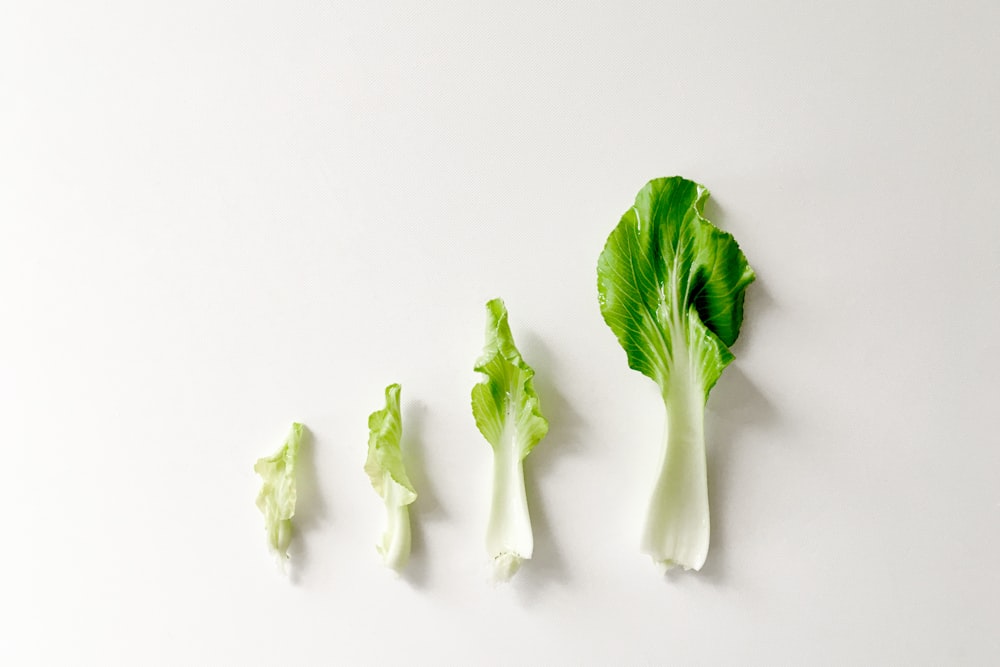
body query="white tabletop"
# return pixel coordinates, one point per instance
(217, 218)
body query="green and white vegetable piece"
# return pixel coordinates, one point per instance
(671, 288)
(277, 496)
(507, 413)
(385, 468)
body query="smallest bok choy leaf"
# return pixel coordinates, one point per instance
(385, 468)
(508, 415)
(277, 496)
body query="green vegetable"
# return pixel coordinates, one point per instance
(277, 496)
(507, 413)
(671, 288)
(385, 468)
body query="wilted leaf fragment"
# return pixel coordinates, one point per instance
(276, 499)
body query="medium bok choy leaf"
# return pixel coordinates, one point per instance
(385, 468)
(507, 413)
(671, 288)
(277, 496)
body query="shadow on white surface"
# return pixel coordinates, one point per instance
(759, 302)
(426, 507)
(310, 507)
(736, 406)
(547, 566)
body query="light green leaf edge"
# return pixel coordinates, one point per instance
(508, 389)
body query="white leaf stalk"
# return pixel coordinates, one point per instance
(677, 524)
(509, 539)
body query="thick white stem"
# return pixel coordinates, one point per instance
(677, 525)
(395, 546)
(508, 536)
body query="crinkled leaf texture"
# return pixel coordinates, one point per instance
(277, 495)
(671, 288)
(388, 476)
(507, 413)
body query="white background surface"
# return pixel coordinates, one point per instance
(216, 218)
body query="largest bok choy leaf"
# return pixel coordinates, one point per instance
(508, 415)
(671, 287)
